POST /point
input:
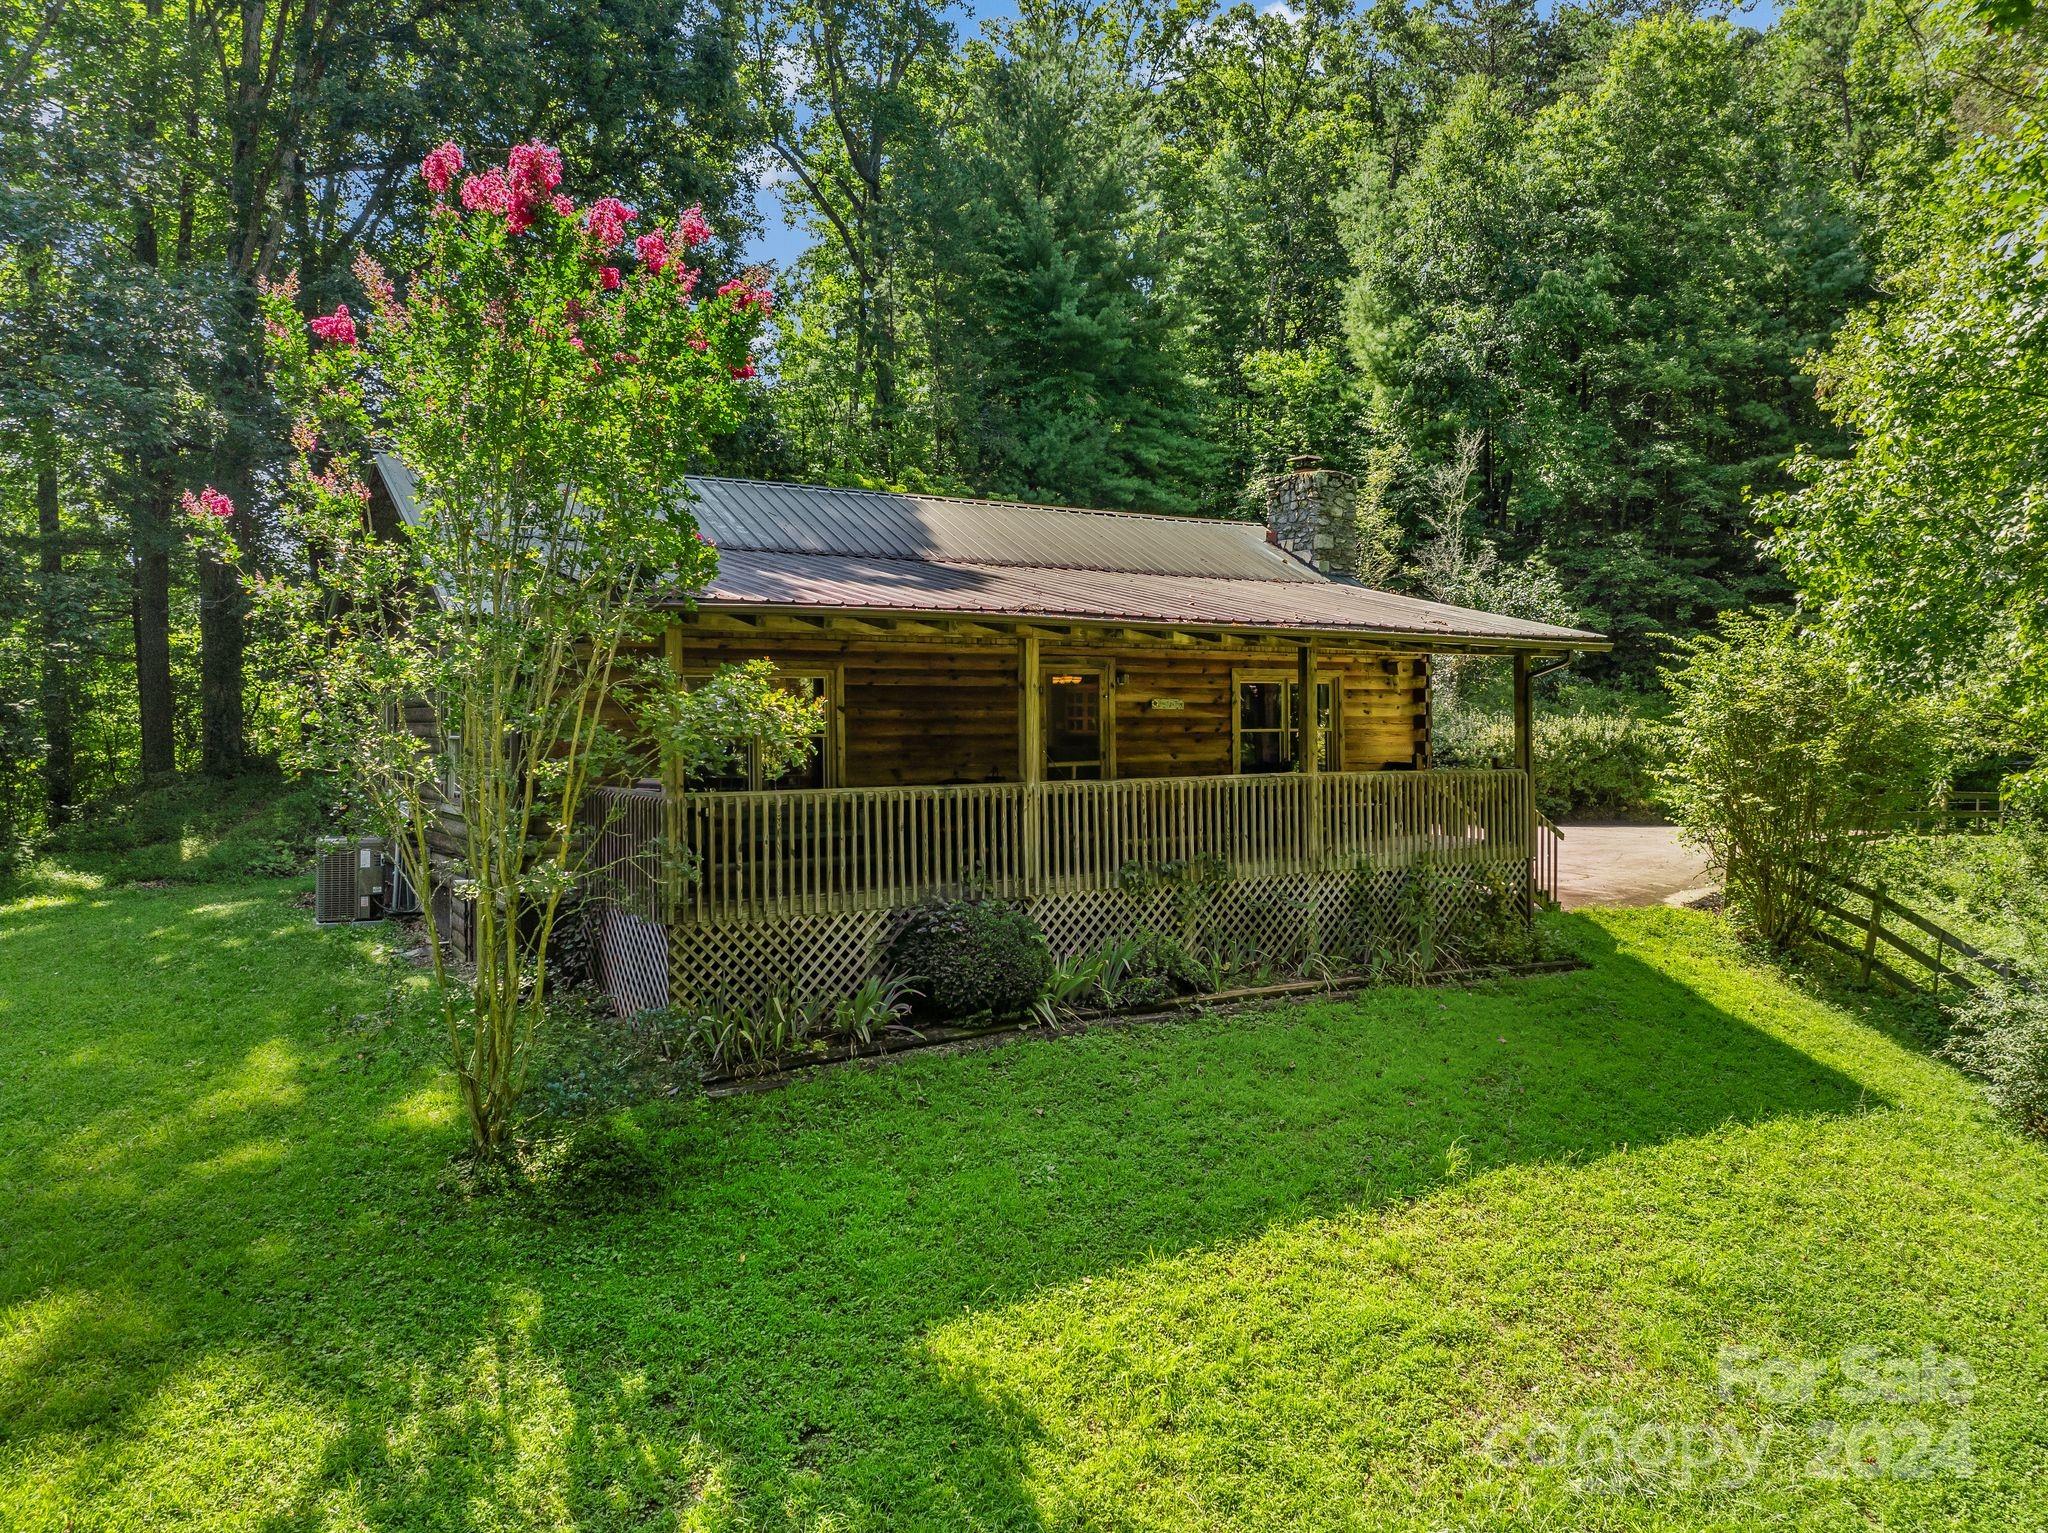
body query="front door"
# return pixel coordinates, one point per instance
(1076, 702)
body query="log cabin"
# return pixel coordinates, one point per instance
(1042, 703)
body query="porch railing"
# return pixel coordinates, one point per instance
(766, 856)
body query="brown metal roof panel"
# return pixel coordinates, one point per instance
(809, 519)
(749, 578)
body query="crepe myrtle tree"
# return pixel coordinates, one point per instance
(549, 377)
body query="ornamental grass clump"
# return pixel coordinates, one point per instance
(549, 385)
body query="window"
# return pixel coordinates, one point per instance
(1074, 724)
(1267, 720)
(814, 772)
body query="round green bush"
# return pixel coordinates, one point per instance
(967, 957)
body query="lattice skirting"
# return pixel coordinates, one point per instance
(632, 961)
(1278, 920)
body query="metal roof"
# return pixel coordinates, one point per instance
(804, 547)
(748, 578)
(874, 524)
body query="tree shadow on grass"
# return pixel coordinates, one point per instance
(758, 1345)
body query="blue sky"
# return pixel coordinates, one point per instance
(779, 244)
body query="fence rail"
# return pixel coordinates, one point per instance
(1962, 811)
(765, 856)
(1954, 960)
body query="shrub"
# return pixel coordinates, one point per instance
(1163, 966)
(1784, 762)
(571, 956)
(972, 956)
(194, 831)
(2000, 1035)
(1598, 749)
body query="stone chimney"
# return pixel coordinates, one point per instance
(1309, 513)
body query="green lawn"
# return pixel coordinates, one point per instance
(1292, 1270)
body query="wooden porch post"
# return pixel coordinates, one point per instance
(1525, 717)
(1308, 759)
(1525, 763)
(1031, 762)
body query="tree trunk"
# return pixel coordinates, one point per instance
(153, 479)
(57, 624)
(223, 634)
(242, 395)
(60, 776)
(150, 533)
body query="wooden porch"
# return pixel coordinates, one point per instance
(1086, 776)
(773, 856)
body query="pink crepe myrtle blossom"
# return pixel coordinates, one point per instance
(746, 297)
(305, 437)
(441, 167)
(693, 229)
(744, 372)
(339, 482)
(608, 278)
(607, 220)
(686, 278)
(563, 207)
(652, 250)
(337, 327)
(208, 502)
(383, 296)
(487, 192)
(698, 343)
(519, 217)
(534, 169)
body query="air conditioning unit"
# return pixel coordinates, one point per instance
(336, 889)
(401, 896)
(369, 878)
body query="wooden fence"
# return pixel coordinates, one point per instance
(754, 857)
(1962, 811)
(1958, 963)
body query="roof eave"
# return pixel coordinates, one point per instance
(1567, 642)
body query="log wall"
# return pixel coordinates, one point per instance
(935, 714)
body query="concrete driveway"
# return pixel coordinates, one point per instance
(1627, 865)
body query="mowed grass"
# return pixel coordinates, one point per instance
(1342, 1264)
